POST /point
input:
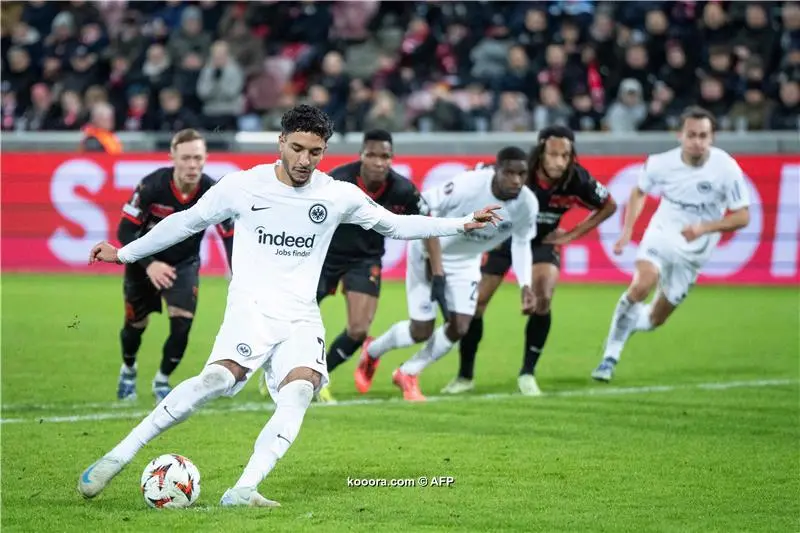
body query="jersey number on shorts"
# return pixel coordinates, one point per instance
(474, 290)
(321, 358)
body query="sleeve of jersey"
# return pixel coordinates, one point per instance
(370, 215)
(594, 194)
(212, 208)
(738, 195)
(521, 255)
(645, 181)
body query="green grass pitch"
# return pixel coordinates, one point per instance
(657, 450)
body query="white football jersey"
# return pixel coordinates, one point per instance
(470, 191)
(691, 195)
(282, 234)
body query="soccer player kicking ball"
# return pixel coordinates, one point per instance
(560, 184)
(697, 184)
(172, 274)
(461, 260)
(285, 214)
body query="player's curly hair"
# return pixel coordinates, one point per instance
(536, 157)
(307, 119)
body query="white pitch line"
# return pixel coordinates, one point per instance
(265, 406)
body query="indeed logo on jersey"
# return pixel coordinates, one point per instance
(287, 245)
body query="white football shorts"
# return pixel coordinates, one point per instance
(461, 286)
(676, 273)
(253, 341)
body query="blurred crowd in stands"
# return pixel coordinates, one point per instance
(402, 66)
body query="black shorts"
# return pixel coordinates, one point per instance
(142, 297)
(497, 262)
(363, 275)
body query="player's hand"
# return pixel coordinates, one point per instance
(693, 232)
(484, 216)
(161, 275)
(558, 237)
(438, 293)
(104, 252)
(621, 243)
(528, 300)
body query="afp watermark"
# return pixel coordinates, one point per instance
(421, 481)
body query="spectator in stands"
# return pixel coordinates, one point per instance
(359, 103)
(385, 114)
(630, 110)
(512, 114)
(757, 36)
(98, 135)
(656, 24)
(535, 34)
(519, 76)
(42, 115)
(20, 75)
(678, 74)
(714, 98)
(157, 68)
(84, 70)
(129, 42)
(220, 88)
(173, 116)
(244, 46)
(584, 116)
(752, 113)
(552, 110)
(662, 113)
(139, 117)
(10, 111)
(72, 115)
(444, 114)
(557, 71)
(786, 115)
(337, 84)
(190, 38)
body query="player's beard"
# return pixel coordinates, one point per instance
(297, 180)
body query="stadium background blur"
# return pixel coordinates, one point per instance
(699, 431)
(402, 66)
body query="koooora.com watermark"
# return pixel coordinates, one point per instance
(421, 481)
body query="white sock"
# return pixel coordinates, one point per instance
(642, 321)
(161, 377)
(212, 382)
(279, 433)
(436, 348)
(398, 336)
(621, 327)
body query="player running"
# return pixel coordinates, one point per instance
(285, 215)
(559, 184)
(697, 184)
(461, 259)
(355, 254)
(171, 274)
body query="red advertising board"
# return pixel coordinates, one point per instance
(56, 206)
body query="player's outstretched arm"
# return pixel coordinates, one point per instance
(213, 207)
(409, 227)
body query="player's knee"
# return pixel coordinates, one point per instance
(358, 331)
(457, 327)
(639, 290)
(543, 301)
(301, 373)
(421, 331)
(138, 324)
(175, 312)
(296, 394)
(215, 380)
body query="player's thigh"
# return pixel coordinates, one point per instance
(304, 348)
(661, 308)
(546, 269)
(184, 290)
(247, 338)
(461, 291)
(418, 291)
(676, 282)
(487, 286)
(141, 297)
(362, 286)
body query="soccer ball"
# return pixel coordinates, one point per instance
(170, 481)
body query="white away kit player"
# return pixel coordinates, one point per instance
(697, 183)
(461, 261)
(286, 214)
